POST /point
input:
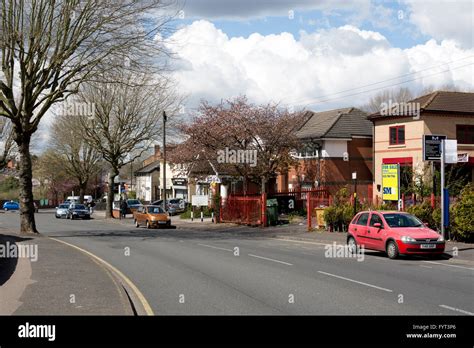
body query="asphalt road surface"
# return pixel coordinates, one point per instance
(189, 271)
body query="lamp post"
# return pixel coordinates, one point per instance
(354, 178)
(164, 160)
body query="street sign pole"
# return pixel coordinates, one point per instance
(164, 161)
(443, 158)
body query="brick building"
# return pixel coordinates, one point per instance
(334, 144)
(398, 136)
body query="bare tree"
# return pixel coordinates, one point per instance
(49, 48)
(6, 141)
(81, 159)
(239, 125)
(127, 121)
(394, 95)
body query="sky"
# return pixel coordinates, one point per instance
(317, 54)
(303, 54)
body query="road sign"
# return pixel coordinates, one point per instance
(200, 200)
(432, 147)
(451, 148)
(390, 182)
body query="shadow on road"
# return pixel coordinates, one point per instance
(8, 264)
(170, 233)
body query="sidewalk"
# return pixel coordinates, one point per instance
(56, 279)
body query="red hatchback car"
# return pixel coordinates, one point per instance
(395, 233)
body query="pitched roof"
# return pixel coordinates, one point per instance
(338, 123)
(148, 168)
(443, 101)
(447, 101)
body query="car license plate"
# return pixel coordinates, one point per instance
(162, 222)
(428, 246)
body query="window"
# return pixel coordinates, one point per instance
(397, 135)
(465, 134)
(402, 220)
(374, 219)
(363, 219)
(354, 220)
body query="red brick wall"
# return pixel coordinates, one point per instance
(335, 172)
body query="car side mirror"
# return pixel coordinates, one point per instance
(378, 225)
(426, 224)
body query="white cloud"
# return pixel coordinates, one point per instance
(296, 71)
(444, 19)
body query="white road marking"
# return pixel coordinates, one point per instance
(356, 281)
(443, 264)
(425, 266)
(456, 309)
(214, 247)
(301, 241)
(266, 258)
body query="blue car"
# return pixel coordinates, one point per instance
(11, 205)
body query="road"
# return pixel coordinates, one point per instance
(198, 272)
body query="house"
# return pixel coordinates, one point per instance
(147, 182)
(334, 145)
(149, 179)
(398, 135)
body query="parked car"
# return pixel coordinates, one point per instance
(133, 205)
(176, 205)
(11, 205)
(62, 210)
(173, 205)
(151, 216)
(78, 211)
(396, 233)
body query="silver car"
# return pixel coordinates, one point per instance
(173, 205)
(62, 210)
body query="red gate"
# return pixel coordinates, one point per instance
(245, 210)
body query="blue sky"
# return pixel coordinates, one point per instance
(396, 29)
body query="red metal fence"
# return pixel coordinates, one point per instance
(242, 209)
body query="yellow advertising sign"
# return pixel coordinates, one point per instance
(390, 182)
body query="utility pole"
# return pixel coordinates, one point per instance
(443, 159)
(354, 179)
(164, 160)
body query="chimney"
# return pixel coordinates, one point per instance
(157, 152)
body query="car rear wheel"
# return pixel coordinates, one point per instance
(392, 250)
(137, 224)
(351, 243)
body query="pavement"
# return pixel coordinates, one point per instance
(56, 279)
(204, 268)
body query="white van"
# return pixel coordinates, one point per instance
(75, 199)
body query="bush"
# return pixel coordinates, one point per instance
(424, 212)
(330, 217)
(197, 212)
(9, 184)
(338, 217)
(437, 218)
(463, 218)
